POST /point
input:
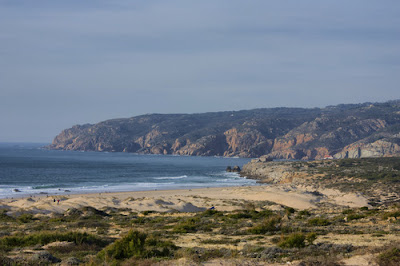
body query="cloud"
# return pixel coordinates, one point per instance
(80, 62)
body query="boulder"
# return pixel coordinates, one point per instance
(236, 169)
(45, 257)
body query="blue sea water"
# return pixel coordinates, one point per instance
(30, 169)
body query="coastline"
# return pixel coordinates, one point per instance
(270, 196)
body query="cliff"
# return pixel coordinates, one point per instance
(353, 130)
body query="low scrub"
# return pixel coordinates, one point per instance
(135, 245)
(390, 257)
(318, 222)
(43, 238)
(295, 240)
(268, 225)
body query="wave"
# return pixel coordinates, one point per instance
(171, 177)
(45, 186)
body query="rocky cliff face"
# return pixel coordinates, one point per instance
(385, 147)
(361, 130)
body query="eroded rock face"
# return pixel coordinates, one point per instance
(362, 130)
(271, 172)
(379, 148)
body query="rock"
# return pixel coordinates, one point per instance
(64, 244)
(236, 169)
(278, 133)
(90, 211)
(363, 149)
(16, 190)
(71, 261)
(45, 257)
(229, 169)
(73, 212)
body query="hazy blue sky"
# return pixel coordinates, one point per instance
(73, 62)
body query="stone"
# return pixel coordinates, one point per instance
(236, 169)
(45, 257)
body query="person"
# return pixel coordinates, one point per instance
(58, 201)
(54, 200)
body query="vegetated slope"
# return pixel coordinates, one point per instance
(351, 130)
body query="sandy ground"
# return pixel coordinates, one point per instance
(189, 200)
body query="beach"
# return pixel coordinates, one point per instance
(189, 200)
(237, 225)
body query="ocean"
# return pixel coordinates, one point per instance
(28, 169)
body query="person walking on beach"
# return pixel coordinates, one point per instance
(58, 201)
(54, 200)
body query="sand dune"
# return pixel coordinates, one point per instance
(190, 200)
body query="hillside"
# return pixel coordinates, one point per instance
(342, 131)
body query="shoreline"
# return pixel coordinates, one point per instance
(262, 196)
(71, 191)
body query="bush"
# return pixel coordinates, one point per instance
(43, 238)
(304, 213)
(389, 257)
(136, 245)
(268, 225)
(132, 245)
(394, 214)
(252, 214)
(210, 213)
(354, 216)
(4, 217)
(311, 237)
(187, 226)
(295, 240)
(289, 211)
(318, 222)
(25, 218)
(347, 211)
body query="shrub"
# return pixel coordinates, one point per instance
(289, 211)
(304, 213)
(347, 211)
(187, 226)
(389, 257)
(295, 240)
(394, 214)
(354, 216)
(311, 237)
(210, 213)
(4, 217)
(251, 214)
(25, 218)
(4, 260)
(318, 222)
(132, 245)
(136, 245)
(268, 225)
(43, 238)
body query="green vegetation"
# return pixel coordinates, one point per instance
(42, 238)
(113, 236)
(158, 236)
(295, 240)
(390, 257)
(317, 221)
(268, 225)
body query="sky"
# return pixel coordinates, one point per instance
(74, 62)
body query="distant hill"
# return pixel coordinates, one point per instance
(341, 131)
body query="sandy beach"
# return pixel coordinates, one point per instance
(273, 197)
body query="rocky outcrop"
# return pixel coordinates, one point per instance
(278, 133)
(379, 148)
(272, 172)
